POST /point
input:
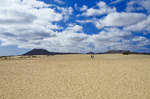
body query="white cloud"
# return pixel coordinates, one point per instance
(83, 8)
(34, 3)
(74, 28)
(110, 38)
(138, 5)
(33, 24)
(140, 26)
(111, 35)
(72, 39)
(29, 20)
(114, 38)
(84, 21)
(116, 1)
(138, 39)
(102, 9)
(119, 19)
(66, 12)
(59, 1)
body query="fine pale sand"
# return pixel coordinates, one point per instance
(75, 77)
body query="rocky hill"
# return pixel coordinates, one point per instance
(44, 52)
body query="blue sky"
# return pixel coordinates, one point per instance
(74, 25)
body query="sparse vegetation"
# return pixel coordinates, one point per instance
(5, 57)
(28, 56)
(33, 56)
(126, 53)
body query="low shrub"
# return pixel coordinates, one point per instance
(126, 53)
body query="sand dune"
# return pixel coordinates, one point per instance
(75, 77)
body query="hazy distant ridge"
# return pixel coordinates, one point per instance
(45, 52)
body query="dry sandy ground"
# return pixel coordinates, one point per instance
(76, 77)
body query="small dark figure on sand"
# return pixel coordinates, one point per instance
(92, 56)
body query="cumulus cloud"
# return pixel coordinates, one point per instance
(66, 12)
(140, 26)
(35, 24)
(72, 39)
(114, 38)
(102, 9)
(59, 1)
(83, 8)
(138, 5)
(23, 21)
(116, 1)
(119, 19)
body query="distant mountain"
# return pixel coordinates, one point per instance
(44, 52)
(38, 52)
(117, 51)
(111, 52)
(90, 53)
(123, 52)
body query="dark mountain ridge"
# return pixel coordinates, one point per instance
(120, 52)
(45, 52)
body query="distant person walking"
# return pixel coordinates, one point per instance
(92, 56)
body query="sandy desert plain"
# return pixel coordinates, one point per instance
(108, 76)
